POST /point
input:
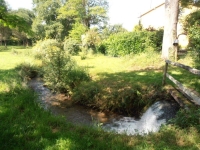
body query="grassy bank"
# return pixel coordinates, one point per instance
(125, 85)
(25, 125)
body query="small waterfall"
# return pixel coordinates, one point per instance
(159, 113)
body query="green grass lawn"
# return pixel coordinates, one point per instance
(25, 125)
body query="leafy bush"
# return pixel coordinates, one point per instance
(77, 31)
(191, 27)
(124, 100)
(102, 48)
(87, 94)
(194, 38)
(75, 76)
(61, 73)
(27, 71)
(71, 46)
(122, 44)
(91, 40)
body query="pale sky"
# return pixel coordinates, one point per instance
(125, 12)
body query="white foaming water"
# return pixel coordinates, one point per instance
(150, 121)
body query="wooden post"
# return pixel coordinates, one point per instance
(164, 75)
(195, 98)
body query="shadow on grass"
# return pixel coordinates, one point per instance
(186, 78)
(127, 93)
(25, 125)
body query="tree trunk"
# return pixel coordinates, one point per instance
(170, 28)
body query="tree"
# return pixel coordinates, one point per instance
(77, 31)
(170, 28)
(188, 3)
(5, 33)
(46, 23)
(112, 29)
(11, 20)
(88, 12)
(171, 20)
(28, 16)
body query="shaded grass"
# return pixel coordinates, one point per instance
(127, 93)
(25, 125)
(124, 85)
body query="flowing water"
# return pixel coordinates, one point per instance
(59, 104)
(159, 113)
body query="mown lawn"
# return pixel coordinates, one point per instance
(25, 125)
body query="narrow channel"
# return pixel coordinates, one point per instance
(59, 104)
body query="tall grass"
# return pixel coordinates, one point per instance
(25, 125)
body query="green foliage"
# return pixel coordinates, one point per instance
(194, 40)
(76, 75)
(46, 24)
(123, 99)
(88, 12)
(77, 31)
(191, 26)
(91, 40)
(27, 71)
(13, 21)
(87, 94)
(101, 48)
(71, 46)
(61, 73)
(56, 63)
(26, 125)
(188, 3)
(54, 30)
(138, 27)
(191, 19)
(188, 118)
(122, 44)
(112, 29)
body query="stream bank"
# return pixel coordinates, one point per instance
(59, 104)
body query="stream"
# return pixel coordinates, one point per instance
(59, 104)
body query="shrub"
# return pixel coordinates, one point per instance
(77, 31)
(191, 27)
(120, 99)
(91, 40)
(102, 48)
(71, 46)
(61, 73)
(122, 44)
(87, 94)
(42, 47)
(194, 38)
(75, 76)
(27, 71)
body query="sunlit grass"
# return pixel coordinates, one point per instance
(100, 63)
(25, 125)
(11, 58)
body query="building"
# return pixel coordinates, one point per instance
(154, 17)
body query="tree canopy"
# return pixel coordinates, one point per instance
(88, 12)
